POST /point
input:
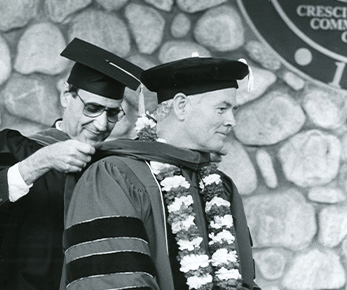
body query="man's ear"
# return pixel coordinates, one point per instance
(64, 98)
(64, 95)
(179, 105)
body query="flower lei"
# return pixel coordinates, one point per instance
(201, 271)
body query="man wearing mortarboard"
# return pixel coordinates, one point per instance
(32, 191)
(163, 217)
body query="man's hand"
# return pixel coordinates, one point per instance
(67, 156)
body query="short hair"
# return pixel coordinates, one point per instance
(163, 110)
(72, 89)
(165, 107)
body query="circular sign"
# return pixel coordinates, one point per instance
(310, 36)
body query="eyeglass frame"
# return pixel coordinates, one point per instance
(101, 106)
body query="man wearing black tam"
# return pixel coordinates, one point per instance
(162, 216)
(32, 190)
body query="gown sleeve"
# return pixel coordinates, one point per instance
(105, 241)
(14, 147)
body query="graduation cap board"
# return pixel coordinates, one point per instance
(99, 71)
(193, 75)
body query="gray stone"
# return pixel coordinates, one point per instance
(5, 61)
(173, 50)
(263, 79)
(342, 177)
(326, 194)
(294, 81)
(282, 219)
(17, 13)
(316, 269)
(25, 127)
(192, 6)
(103, 29)
(263, 55)
(32, 98)
(266, 167)
(344, 247)
(271, 262)
(110, 5)
(165, 5)
(220, 29)
(344, 147)
(239, 167)
(180, 25)
(58, 10)
(325, 109)
(39, 50)
(141, 61)
(332, 225)
(268, 120)
(310, 158)
(147, 26)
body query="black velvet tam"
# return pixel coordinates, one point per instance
(193, 75)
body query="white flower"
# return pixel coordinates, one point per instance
(174, 181)
(189, 245)
(220, 221)
(195, 282)
(225, 274)
(218, 202)
(178, 202)
(201, 185)
(223, 236)
(157, 167)
(142, 122)
(193, 262)
(222, 256)
(212, 178)
(182, 225)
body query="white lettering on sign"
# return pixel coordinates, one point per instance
(338, 74)
(344, 37)
(321, 11)
(325, 18)
(328, 24)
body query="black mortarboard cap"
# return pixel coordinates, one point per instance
(99, 71)
(193, 75)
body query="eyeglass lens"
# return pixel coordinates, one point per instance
(93, 110)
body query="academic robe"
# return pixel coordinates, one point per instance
(117, 236)
(31, 249)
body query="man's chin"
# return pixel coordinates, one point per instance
(223, 151)
(219, 149)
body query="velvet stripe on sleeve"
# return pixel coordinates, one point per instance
(105, 241)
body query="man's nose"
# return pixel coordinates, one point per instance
(230, 118)
(101, 122)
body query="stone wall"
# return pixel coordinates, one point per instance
(287, 155)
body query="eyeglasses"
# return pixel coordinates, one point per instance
(94, 110)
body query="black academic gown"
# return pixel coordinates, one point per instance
(31, 254)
